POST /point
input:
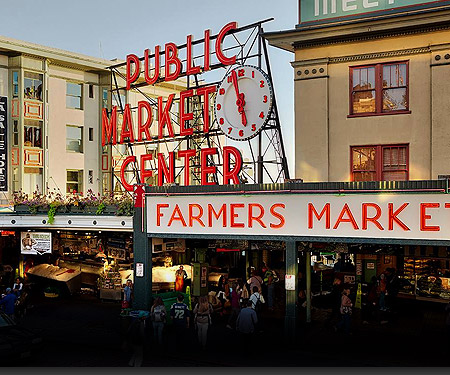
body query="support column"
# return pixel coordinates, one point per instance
(142, 253)
(308, 286)
(290, 320)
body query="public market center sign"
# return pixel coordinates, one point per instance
(336, 10)
(293, 215)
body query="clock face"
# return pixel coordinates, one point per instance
(243, 102)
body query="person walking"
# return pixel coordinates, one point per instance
(270, 278)
(202, 318)
(158, 315)
(336, 295)
(382, 302)
(127, 294)
(257, 300)
(17, 287)
(180, 314)
(246, 325)
(346, 311)
(255, 280)
(136, 337)
(8, 303)
(235, 296)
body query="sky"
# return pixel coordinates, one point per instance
(113, 29)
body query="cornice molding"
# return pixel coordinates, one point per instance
(379, 55)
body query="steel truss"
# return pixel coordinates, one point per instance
(264, 156)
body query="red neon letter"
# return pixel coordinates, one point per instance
(172, 59)
(190, 68)
(185, 116)
(186, 154)
(144, 127)
(350, 219)
(207, 51)
(127, 125)
(132, 77)
(198, 217)
(212, 169)
(164, 116)
(393, 216)
(109, 128)
(148, 79)
(256, 218)
(159, 215)
(277, 215)
(205, 91)
(145, 173)
(222, 58)
(128, 160)
(366, 219)
(234, 173)
(233, 224)
(166, 173)
(424, 217)
(179, 216)
(312, 209)
(222, 211)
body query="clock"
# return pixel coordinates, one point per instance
(243, 102)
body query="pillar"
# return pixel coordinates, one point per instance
(291, 295)
(308, 286)
(142, 254)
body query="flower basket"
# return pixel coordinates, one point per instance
(22, 209)
(76, 209)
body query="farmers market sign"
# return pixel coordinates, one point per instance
(334, 10)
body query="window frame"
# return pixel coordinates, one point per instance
(80, 181)
(73, 96)
(378, 90)
(379, 165)
(81, 140)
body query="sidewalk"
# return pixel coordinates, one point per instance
(82, 331)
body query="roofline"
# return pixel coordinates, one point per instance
(54, 54)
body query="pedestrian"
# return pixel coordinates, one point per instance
(136, 337)
(270, 278)
(180, 316)
(246, 325)
(335, 295)
(382, 286)
(17, 287)
(235, 296)
(158, 316)
(447, 323)
(392, 289)
(370, 307)
(202, 318)
(180, 277)
(127, 295)
(257, 301)
(255, 280)
(8, 303)
(346, 311)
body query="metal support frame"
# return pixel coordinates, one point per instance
(290, 319)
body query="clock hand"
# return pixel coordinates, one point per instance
(240, 102)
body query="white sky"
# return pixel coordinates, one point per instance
(112, 28)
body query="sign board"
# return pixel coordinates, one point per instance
(336, 10)
(3, 143)
(140, 269)
(370, 266)
(35, 243)
(383, 215)
(289, 282)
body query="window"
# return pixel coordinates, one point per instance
(91, 134)
(74, 181)
(104, 98)
(91, 91)
(74, 138)
(32, 86)
(15, 133)
(119, 100)
(74, 95)
(380, 163)
(379, 89)
(32, 133)
(15, 84)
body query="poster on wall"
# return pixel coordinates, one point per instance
(3, 144)
(35, 243)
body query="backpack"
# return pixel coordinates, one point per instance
(158, 314)
(258, 305)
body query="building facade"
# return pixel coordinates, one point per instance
(371, 95)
